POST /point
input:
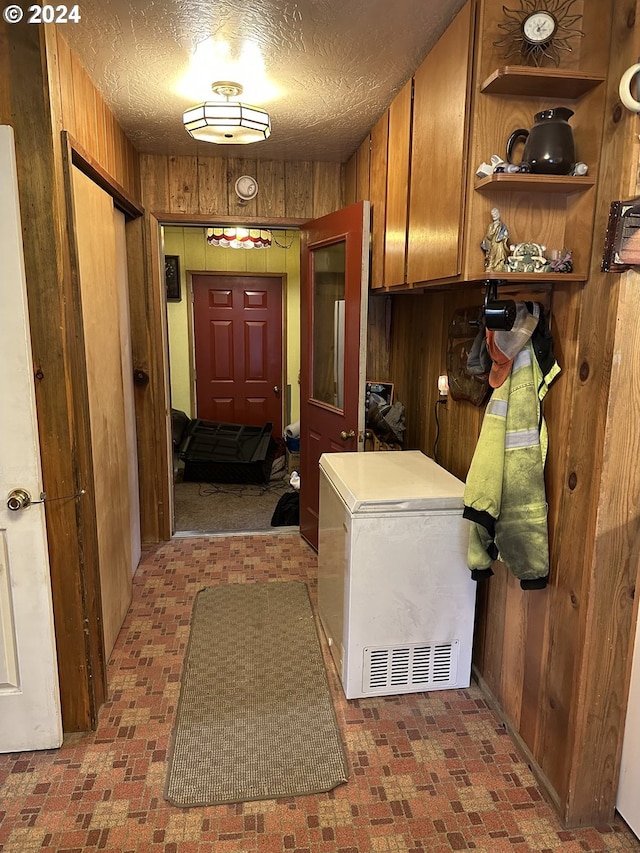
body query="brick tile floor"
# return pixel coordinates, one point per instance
(429, 772)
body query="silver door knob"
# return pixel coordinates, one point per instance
(345, 436)
(276, 389)
(18, 499)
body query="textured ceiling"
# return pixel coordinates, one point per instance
(331, 66)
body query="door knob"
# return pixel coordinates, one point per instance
(276, 389)
(18, 499)
(345, 436)
(140, 377)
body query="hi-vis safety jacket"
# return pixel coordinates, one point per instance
(505, 495)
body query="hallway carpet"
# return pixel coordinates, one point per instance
(255, 718)
(223, 507)
(428, 772)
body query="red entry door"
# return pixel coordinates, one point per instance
(334, 273)
(238, 349)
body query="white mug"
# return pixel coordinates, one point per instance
(484, 170)
(625, 89)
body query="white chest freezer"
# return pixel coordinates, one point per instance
(395, 597)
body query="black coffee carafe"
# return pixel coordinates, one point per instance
(549, 148)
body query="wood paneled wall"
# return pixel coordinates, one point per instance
(197, 187)
(84, 114)
(58, 358)
(44, 91)
(79, 109)
(419, 334)
(555, 661)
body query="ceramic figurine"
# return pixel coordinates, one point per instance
(527, 257)
(495, 243)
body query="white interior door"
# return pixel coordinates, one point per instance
(30, 716)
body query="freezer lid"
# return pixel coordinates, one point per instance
(391, 481)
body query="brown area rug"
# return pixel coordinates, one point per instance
(255, 719)
(216, 508)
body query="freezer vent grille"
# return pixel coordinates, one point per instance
(412, 667)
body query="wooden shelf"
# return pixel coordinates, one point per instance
(546, 82)
(529, 278)
(513, 282)
(526, 182)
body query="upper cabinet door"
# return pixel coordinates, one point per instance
(395, 249)
(378, 197)
(442, 89)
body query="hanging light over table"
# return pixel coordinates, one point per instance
(239, 238)
(227, 122)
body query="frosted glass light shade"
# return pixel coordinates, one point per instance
(227, 123)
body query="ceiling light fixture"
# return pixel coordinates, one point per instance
(227, 122)
(235, 237)
(239, 238)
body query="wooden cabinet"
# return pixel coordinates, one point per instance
(356, 174)
(556, 211)
(465, 104)
(389, 191)
(397, 211)
(439, 141)
(378, 197)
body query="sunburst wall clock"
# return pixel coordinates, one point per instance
(539, 30)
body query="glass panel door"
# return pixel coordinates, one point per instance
(327, 346)
(334, 273)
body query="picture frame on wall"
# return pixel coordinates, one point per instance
(172, 277)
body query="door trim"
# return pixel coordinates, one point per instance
(156, 220)
(92, 169)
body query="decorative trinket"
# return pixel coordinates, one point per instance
(560, 261)
(495, 242)
(527, 257)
